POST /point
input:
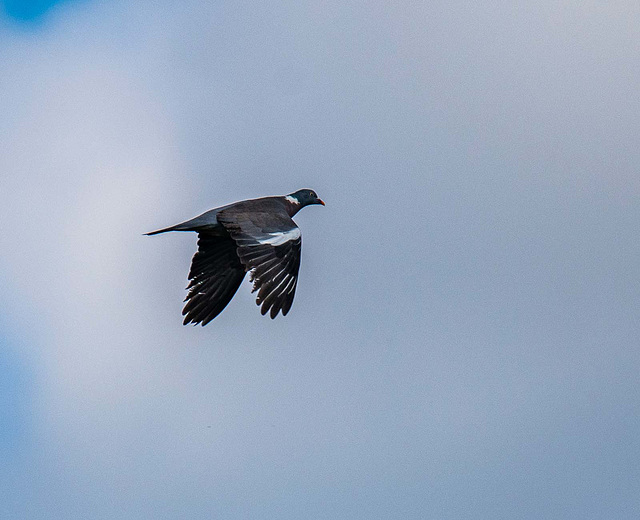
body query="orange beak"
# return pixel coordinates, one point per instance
(320, 201)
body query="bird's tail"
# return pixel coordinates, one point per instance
(177, 227)
(194, 224)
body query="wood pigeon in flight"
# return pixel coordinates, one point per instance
(256, 235)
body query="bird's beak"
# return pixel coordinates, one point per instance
(320, 201)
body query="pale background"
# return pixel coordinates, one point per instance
(464, 343)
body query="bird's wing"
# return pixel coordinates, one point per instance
(268, 245)
(216, 274)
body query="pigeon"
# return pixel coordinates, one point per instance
(257, 236)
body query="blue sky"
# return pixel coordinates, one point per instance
(27, 11)
(16, 393)
(463, 342)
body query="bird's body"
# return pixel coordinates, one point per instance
(256, 235)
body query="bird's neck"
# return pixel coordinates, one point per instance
(292, 205)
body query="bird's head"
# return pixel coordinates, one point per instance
(305, 198)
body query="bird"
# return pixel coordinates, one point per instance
(257, 236)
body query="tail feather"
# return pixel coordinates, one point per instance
(206, 221)
(164, 230)
(177, 227)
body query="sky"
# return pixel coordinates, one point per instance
(464, 339)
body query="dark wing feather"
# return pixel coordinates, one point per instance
(269, 246)
(216, 274)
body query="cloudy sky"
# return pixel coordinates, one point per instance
(464, 343)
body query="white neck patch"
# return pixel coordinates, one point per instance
(292, 200)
